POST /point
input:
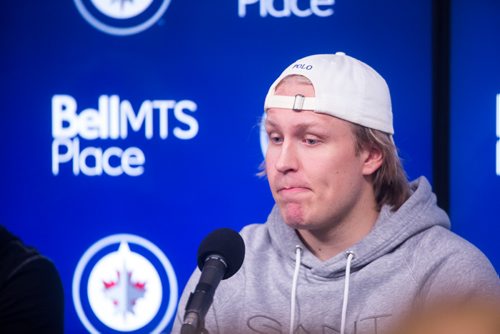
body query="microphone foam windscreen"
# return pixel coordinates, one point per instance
(226, 243)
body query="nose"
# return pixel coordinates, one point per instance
(287, 160)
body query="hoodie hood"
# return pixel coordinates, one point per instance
(417, 214)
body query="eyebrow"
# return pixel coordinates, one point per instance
(300, 126)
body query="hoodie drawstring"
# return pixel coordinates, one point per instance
(298, 256)
(350, 256)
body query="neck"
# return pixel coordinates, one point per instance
(337, 237)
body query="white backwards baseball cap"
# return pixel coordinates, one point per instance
(344, 87)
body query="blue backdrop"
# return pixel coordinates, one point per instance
(129, 125)
(475, 124)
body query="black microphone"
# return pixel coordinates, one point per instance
(220, 256)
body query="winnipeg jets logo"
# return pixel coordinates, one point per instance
(124, 292)
(128, 281)
(122, 17)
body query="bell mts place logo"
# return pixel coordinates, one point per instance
(74, 127)
(124, 283)
(122, 17)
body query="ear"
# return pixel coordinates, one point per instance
(372, 160)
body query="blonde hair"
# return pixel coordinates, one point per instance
(390, 183)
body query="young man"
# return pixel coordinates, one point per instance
(350, 244)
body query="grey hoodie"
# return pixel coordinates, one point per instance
(410, 256)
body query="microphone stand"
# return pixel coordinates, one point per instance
(201, 299)
(193, 325)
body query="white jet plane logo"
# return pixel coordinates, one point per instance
(124, 292)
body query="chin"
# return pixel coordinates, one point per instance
(293, 216)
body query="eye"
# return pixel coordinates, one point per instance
(274, 138)
(311, 141)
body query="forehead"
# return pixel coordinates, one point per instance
(306, 119)
(293, 85)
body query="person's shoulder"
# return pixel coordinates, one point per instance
(447, 247)
(443, 260)
(41, 267)
(256, 237)
(18, 262)
(14, 255)
(31, 291)
(251, 229)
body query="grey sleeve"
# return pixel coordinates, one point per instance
(454, 268)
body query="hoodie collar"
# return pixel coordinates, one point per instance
(391, 229)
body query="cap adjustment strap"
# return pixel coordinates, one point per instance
(297, 102)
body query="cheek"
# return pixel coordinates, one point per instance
(270, 173)
(269, 159)
(267, 162)
(335, 177)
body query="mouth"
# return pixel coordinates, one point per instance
(292, 189)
